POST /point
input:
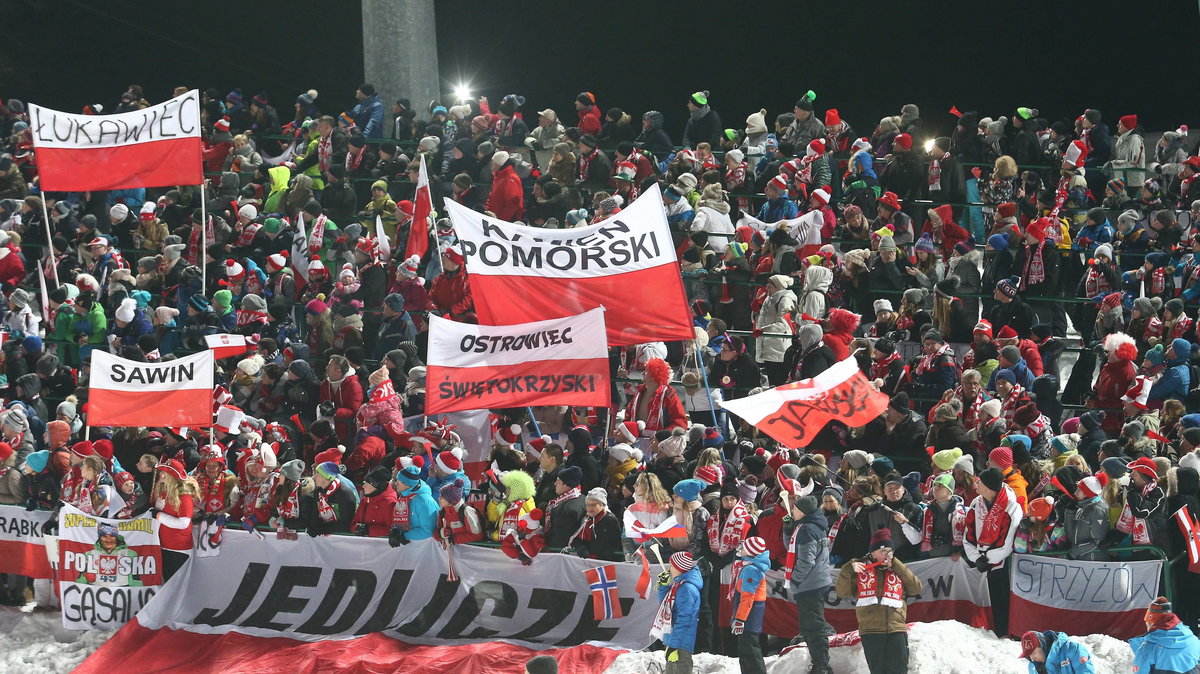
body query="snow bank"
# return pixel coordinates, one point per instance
(944, 646)
(37, 643)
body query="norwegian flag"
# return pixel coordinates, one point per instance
(418, 231)
(606, 600)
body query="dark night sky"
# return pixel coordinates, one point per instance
(865, 58)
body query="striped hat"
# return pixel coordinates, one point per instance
(709, 475)
(1092, 485)
(754, 546)
(683, 561)
(1146, 467)
(780, 181)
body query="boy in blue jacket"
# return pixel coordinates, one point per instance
(675, 622)
(1168, 647)
(416, 511)
(1053, 652)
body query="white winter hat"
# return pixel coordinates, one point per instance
(118, 212)
(500, 158)
(266, 456)
(127, 310)
(248, 211)
(623, 452)
(882, 305)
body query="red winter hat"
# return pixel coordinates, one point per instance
(1128, 121)
(173, 468)
(333, 455)
(1030, 642)
(903, 142)
(832, 118)
(1007, 209)
(1007, 333)
(629, 431)
(1159, 615)
(1002, 457)
(83, 448)
(1026, 414)
(1092, 485)
(1146, 467)
(414, 460)
(778, 460)
(453, 255)
(1111, 300)
(890, 200)
(6, 451)
(779, 181)
(449, 462)
(104, 449)
(983, 327)
(406, 207)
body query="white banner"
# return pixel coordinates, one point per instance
(1107, 587)
(454, 344)
(339, 587)
(108, 569)
(176, 118)
(113, 373)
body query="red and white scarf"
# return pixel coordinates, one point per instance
(662, 619)
(248, 233)
(384, 392)
(929, 361)
(325, 152)
(316, 238)
(1136, 526)
(291, 506)
(324, 509)
(725, 538)
(214, 492)
(995, 523)
(249, 317)
(353, 159)
(1096, 283)
(869, 590)
(880, 369)
(1014, 400)
(585, 161)
(958, 522)
(935, 174)
(1035, 265)
(573, 492)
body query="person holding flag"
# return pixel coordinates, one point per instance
(878, 584)
(675, 622)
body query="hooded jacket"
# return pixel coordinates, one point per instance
(1166, 651)
(687, 607)
(817, 280)
(810, 572)
(879, 618)
(655, 140)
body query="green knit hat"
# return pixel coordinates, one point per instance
(700, 98)
(272, 225)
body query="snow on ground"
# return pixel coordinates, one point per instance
(37, 643)
(943, 646)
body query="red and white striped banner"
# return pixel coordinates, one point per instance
(626, 264)
(1081, 598)
(158, 146)
(22, 548)
(563, 361)
(130, 393)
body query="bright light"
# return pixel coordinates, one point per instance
(929, 145)
(462, 92)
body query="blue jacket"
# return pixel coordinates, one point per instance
(687, 606)
(779, 209)
(436, 483)
(422, 511)
(1098, 234)
(1166, 651)
(1174, 382)
(1065, 656)
(1024, 376)
(368, 116)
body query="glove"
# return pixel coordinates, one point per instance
(153, 511)
(31, 505)
(313, 532)
(50, 526)
(248, 523)
(326, 409)
(360, 529)
(982, 565)
(738, 627)
(664, 578)
(212, 518)
(672, 655)
(396, 537)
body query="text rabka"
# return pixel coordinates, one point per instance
(184, 372)
(610, 246)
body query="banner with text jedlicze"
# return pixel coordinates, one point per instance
(342, 587)
(107, 569)
(626, 263)
(562, 361)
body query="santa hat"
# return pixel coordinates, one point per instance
(779, 181)
(536, 446)
(821, 194)
(1121, 345)
(173, 468)
(1139, 392)
(623, 452)
(234, 270)
(1007, 332)
(454, 255)
(860, 145)
(277, 261)
(507, 435)
(816, 148)
(1092, 485)
(1076, 154)
(413, 460)
(984, 327)
(450, 461)
(332, 455)
(630, 431)
(229, 419)
(754, 546)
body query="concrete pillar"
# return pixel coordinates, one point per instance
(400, 53)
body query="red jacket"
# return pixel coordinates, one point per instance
(214, 156)
(589, 120)
(666, 415)
(348, 398)
(366, 456)
(175, 532)
(460, 524)
(12, 269)
(507, 198)
(451, 294)
(376, 511)
(1033, 357)
(951, 232)
(1113, 382)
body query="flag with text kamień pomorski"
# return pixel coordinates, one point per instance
(626, 264)
(168, 393)
(158, 146)
(795, 412)
(562, 361)
(107, 569)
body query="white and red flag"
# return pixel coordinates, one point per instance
(418, 230)
(562, 361)
(157, 146)
(626, 263)
(795, 412)
(226, 346)
(131, 393)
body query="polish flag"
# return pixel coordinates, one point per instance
(158, 146)
(626, 264)
(131, 393)
(562, 361)
(226, 345)
(668, 528)
(795, 412)
(418, 231)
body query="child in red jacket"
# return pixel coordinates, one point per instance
(374, 515)
(457, 521)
